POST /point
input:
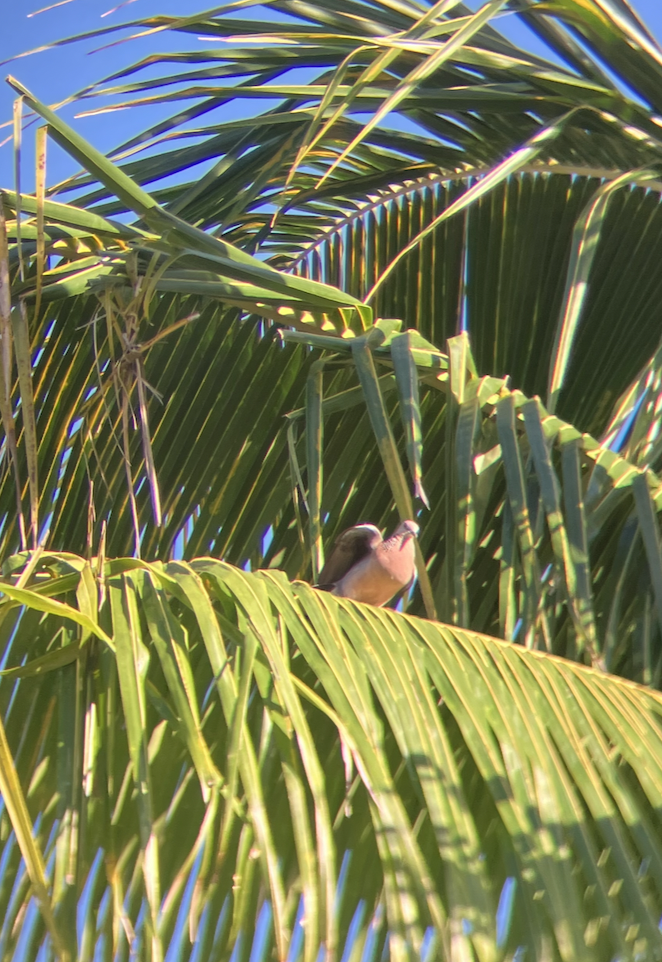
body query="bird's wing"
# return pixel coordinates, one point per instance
(350, 547)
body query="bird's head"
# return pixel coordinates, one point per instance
(407, 530)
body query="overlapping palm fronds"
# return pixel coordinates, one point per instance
(423, 247)
(297, 772)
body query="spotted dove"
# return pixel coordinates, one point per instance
(364, 567)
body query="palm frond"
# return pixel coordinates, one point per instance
(346, 773)
(416, 277)
(128, 328)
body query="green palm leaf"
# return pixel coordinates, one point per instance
(530, 769)
(418, 280)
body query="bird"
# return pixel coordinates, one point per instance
(364, 567)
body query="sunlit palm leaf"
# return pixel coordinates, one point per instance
(383, 761)
(220, 764)
(225, 501)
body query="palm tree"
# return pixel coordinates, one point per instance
(419, 246)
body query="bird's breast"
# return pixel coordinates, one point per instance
(377, 578)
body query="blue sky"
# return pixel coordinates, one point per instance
(52, 75)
